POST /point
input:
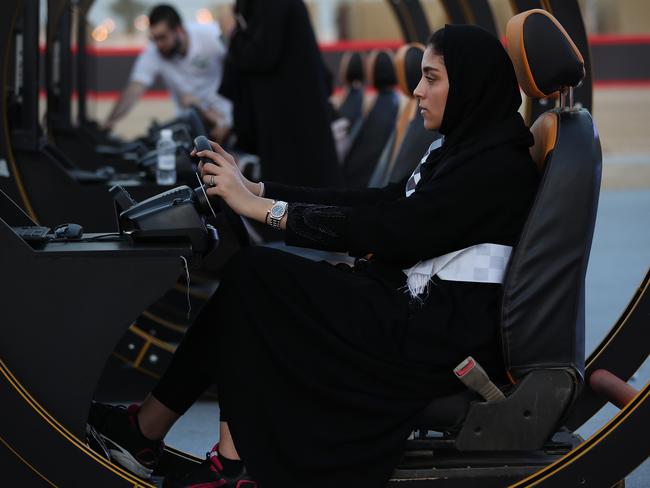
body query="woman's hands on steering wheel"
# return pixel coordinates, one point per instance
(223, 178)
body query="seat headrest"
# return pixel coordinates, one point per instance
(351, 68)
(380, 71)
(544, 56)
(408, 61)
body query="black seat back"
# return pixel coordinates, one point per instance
(543, 310)
(352, 77)
(376, 127)
(410, 139)
(415, 143)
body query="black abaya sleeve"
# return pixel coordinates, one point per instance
(482, 201)
(316, 226)
(334, 196)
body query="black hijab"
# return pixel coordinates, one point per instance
(483, 100)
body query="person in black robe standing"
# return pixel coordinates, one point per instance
(321, 369)
(275, 76)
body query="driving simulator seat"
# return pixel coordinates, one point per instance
(351, 76)
(410, 140)
(543, 309)
(370, 135)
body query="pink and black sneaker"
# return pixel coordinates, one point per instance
(210, 474)
(118, 427)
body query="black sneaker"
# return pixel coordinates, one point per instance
(209, 474)
(118, 427)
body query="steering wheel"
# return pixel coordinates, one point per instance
(209, 204)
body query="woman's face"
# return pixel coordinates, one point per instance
(432, 90)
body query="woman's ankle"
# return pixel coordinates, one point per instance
(147, 430)
(155, 419)
(230, 467)
(226, 446)
(228, 452)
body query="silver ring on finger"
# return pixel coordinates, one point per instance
(212, 183)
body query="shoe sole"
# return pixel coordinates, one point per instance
(124, 458)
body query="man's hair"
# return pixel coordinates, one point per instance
(165, 13)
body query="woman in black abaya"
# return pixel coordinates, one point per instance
(276, 79)
(321, 369)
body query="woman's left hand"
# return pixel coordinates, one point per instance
(222, 179)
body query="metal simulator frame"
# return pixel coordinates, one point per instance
(69, 303)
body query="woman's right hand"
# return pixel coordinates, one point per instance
(227, 158)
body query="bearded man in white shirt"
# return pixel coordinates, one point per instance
(189, 59)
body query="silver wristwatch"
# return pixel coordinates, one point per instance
(275, 214)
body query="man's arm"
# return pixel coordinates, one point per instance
(129, 96)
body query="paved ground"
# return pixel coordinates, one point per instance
(619, 259)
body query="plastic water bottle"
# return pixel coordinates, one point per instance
(166, 167)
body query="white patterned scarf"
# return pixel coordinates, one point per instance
(482, 263)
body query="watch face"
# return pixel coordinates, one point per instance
(277, 211)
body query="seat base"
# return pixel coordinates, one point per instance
(534, 409)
